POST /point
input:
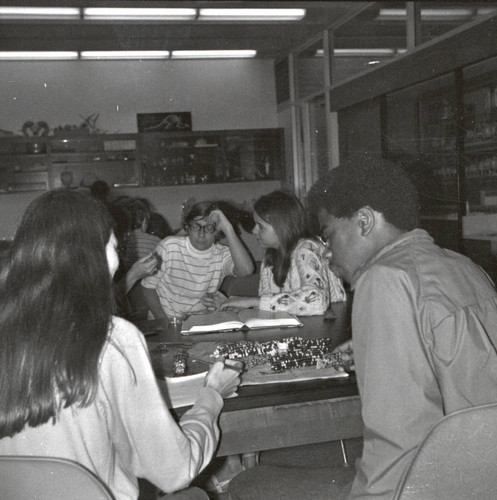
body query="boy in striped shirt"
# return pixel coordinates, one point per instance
(193, 267)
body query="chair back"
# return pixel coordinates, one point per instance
(43, 478)
(457, 460)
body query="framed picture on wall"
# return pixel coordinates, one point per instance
(163, 122)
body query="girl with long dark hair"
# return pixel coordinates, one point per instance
(75, 381)
(294, 276)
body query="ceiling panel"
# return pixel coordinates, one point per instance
(270, 39)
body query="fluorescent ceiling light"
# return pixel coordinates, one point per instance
(100, 13)
(427, 14)
(212, 54)
(38, 56)
(125, 54)
(364, 52)
(251, 14)
(40, 13)
(484, 11)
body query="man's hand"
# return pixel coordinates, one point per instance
(346, 350)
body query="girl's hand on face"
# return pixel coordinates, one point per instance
(240, 303)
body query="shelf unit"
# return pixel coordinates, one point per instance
(146, 159)
(82, 160)
(444, 131)
(24, 164)
(213, 156)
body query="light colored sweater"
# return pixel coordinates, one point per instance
(128, 431)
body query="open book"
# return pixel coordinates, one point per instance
(249, 319)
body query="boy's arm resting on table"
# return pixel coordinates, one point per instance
(153, 302)
(241, 258)
(240, 303)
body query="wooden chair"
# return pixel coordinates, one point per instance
(43, 478)
(457, 460)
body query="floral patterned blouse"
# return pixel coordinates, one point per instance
(310, 285)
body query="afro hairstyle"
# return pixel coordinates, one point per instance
(367, 180)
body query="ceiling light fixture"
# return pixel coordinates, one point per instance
(251, 14)
(139, 14)
(427, 14)
(124, 54)
(40, 13)
(361, 52)
(212, 54)
(38, 56)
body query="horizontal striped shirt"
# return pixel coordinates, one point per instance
(138, 244)
(187, 274)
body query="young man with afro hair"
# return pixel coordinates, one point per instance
(424, 319)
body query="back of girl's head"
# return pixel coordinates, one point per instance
(61, 229)
(139, 211)
(57, 302)
(158, 226)
(287, 216)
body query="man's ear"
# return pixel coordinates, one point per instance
(366, 219)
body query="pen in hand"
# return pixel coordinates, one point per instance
(224, 376)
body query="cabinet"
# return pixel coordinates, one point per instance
(480, 138)
(146, 159)
(204, 157)
(82, 160)
(24, 164)
(445, 133)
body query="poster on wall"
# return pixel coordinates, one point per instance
(163, 122)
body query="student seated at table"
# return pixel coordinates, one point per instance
(158, 226)
(138, 242)
(193, 266)
(294, 275)
(424, 327)
(76, 381)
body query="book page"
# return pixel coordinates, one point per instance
(211, 322)
(255, 318)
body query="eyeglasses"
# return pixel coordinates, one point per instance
(321, 240)
(327, 232)
(207, 229)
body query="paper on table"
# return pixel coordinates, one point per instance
(183, 391)
(253, 375)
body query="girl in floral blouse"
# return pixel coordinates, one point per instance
(295, 276)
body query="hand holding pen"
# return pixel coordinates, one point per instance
(224, 376)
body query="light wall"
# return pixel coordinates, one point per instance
(221, 95)
(229, 94)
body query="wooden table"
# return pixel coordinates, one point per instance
(279, 415)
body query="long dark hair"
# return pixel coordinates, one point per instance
(56, 304)
(287, 216)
